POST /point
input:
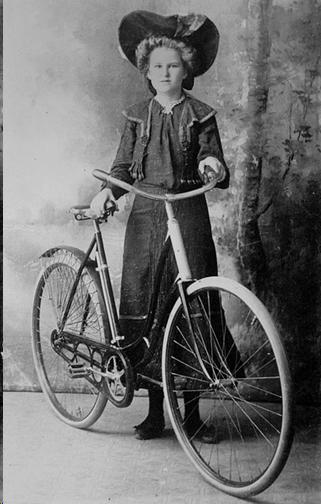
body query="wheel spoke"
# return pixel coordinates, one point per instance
(77, 400)
(243, 402)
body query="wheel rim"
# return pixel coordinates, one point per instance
(73, 398)
(247, 413)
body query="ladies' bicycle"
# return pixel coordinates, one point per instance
(83, 360)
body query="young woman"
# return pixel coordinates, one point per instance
(170, 143)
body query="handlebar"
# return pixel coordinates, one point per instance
(105, 177)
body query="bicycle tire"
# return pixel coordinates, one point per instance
(244, 391)
(78, 401)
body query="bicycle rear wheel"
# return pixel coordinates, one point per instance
(77, 396)
(236, 368)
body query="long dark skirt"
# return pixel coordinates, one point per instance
(145, 235)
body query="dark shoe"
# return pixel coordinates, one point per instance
(149, 429)
(201, 432)
(208, 435)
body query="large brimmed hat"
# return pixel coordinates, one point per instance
(196, 30)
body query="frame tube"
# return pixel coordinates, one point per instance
(102, 268)
(177, 244)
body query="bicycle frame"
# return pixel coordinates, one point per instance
(102, 268)
(76, 335)
(174, 238)
(183, 280)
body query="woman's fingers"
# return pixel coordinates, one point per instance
(211, 169)
(100, 200)
(217, 174)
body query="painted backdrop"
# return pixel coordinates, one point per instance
(65, 86)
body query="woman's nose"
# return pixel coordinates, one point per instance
(166, 71)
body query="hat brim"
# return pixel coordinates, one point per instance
(196, 30)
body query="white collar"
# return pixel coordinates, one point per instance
(168, 108)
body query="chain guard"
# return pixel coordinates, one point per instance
(102, 366)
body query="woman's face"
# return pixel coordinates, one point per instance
(166, 71)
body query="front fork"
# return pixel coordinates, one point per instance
(185, 276)
(182, 287)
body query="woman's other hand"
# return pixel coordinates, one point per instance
(99, 202)
(211, 169)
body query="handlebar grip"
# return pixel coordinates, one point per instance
(104, 176)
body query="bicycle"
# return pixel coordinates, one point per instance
(82, 359)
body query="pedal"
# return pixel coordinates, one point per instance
(77, 370)
(117, 338)
(180, 383)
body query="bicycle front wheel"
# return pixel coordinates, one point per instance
(77, 396)
(227, 386)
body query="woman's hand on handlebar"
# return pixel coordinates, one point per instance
(100, 201)
(211, 169)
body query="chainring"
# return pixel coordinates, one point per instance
(119, 379)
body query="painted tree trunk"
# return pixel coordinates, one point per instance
(280, 213)
(250, 246)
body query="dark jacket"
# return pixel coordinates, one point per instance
(198, 138)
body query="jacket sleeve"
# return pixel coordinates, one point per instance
(210, 145)
(123, 159)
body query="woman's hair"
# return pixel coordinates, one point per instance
(188, 53)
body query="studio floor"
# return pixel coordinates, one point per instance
(48, 461)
